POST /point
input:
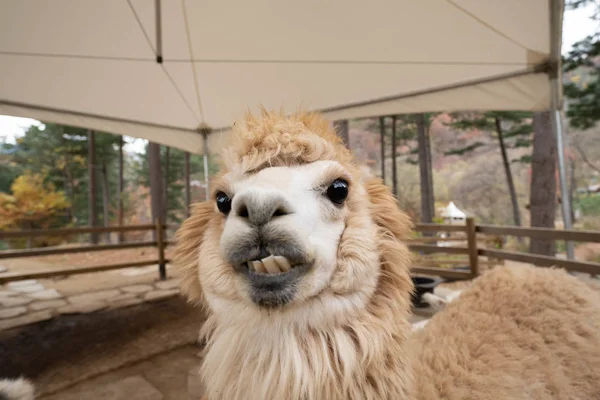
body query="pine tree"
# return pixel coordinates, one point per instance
(512, 129)
(583, 95)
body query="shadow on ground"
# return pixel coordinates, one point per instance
(64, 351)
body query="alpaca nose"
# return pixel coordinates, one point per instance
(260, 207)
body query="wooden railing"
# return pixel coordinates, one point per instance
(469, 250)
(160, 243)
(474, 250)
(426, 245)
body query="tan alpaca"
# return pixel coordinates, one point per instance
(301, 265)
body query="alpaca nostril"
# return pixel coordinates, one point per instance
(280, 211)
(243, 212)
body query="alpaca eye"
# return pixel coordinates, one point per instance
(338, 191)
(223, 203)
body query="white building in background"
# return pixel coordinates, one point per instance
(453, 215)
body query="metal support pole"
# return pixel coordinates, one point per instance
(394, 156)
(158, 23)
(562, 176)
(382, 132)
(556, 17)
(205, 159)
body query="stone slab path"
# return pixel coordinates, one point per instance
(130, 388)
(29, 301)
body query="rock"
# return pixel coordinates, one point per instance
(12, 312)
(136, 288)
(29, 288)
(44, 305)
(26, 319)
(170, 284)
(93, 297)
(125, 303)
(7, 293)
(83, 308)
(121, 297)
(130, 388)
(45, 294)
(26, 282)
(161, 294)
(14, 301)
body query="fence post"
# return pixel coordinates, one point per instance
(160, 244)
(472, 241)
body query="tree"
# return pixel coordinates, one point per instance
(120, 190)
(173, 177)
(412, 136)
(426, 172)
(32, 204)
(503, 125)
(583, 95)
(60, 154)
(543, 182)
(92, 202)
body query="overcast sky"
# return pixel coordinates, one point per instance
(577, 25)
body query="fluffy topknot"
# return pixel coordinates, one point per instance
(274, 139)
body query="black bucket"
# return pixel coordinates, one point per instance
(423, 284)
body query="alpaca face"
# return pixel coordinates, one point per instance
(282, 229)
(281, 235)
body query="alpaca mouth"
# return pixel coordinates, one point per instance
(270, 265)
(273, 279)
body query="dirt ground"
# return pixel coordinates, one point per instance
(63, 352)
(168, 372)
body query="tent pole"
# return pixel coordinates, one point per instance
(158, 24)
(562, 176)
(555, 75)
(205, 159)
(394, 156)
(382, 132)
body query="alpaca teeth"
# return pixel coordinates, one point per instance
(258, 266)
(270, 264)
(283, 263)
(250, 265)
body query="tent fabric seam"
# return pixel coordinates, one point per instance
(191, 52)
(490, 27)
(258, 61)
(155, 52)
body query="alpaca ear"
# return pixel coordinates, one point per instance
(188, 238)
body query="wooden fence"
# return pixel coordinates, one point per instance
(159, 242)
(469, 233)
(475, 251)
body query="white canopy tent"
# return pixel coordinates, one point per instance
(165, 70)
(452, 212)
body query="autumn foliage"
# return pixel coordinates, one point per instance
(32, 204)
